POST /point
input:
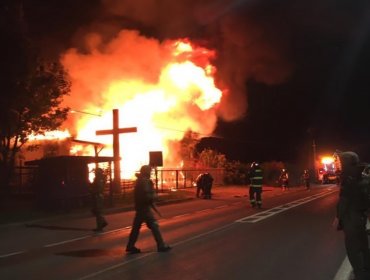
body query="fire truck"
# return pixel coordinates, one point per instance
(327, 172)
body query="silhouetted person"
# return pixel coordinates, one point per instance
(306, 179)
(208, 182)
(97, 195)
(144, 203)
(204, 184)
(351, 214)
(255, 188)
(284, 179)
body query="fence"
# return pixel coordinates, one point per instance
(166, 179)
(22, 180)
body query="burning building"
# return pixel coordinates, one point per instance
(166, 83)
(62, 182)
(164, 93)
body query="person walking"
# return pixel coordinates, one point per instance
(255, 188)
(284, 179)
(97, 197)
(351, 215)
(144, 204)
(306, 179)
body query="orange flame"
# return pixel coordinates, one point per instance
(164, 95)
(50, 135)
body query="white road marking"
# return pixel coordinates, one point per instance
(252, 219)
(264, 215)
(276, 210)
(12, 254)
(151, 253)
(66, 241)
(204, 210)
(182, 215)
(345, 270)
(222, 206)
(85, 237)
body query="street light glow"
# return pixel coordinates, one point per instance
(327, 160)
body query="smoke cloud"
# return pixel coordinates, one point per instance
(246, 47)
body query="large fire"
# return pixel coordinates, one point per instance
(164, 89)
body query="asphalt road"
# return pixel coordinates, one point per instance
(290, 238)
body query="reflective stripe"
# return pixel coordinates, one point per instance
(256, 186)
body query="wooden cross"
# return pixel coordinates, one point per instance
(116, 156)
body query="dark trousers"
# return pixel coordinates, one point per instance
(200, 190)
(357, 244)
(97, 210)
(255, 195)
(147, 217)
(207, 191)
(307, 184)
(285, 184)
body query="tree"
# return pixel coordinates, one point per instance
(187, 147)
(32, 90)
(235, 173)
(211, 158)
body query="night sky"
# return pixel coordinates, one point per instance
(297, 71)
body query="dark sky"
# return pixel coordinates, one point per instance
(297, 71)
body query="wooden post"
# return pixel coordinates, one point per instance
(97, 149)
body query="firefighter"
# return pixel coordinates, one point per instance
(97, 196)
(144, 204)
(208, 186)
(351, 216)
(204, 184)
(255, 189)
(284, 179)
(306, 179)
(200, 185)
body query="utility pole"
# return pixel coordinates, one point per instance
(314, 158)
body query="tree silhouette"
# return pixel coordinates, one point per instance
(32, 89)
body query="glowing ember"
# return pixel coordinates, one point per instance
(50, 135)
(163, 89)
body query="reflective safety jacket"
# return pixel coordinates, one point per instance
(256, 177)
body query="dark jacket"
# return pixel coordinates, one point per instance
(256, 177)
(97, 186)
(143, 194)
(204, 180)
(351, 196)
